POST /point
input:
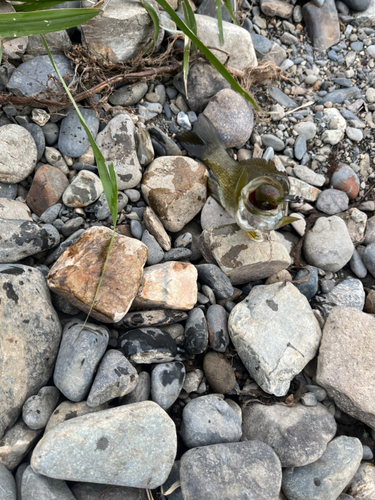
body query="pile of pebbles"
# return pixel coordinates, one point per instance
(211, 365)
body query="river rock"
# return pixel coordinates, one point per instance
(219, 372)
(95, 447)
(153, 317)
(332, 201)
(12, 209)
(37, 409)
(298, 435)
(85, 188)
(148, 345)
(117, 144)
(8, 484)
(240, 258)
(171, 285)
(348, 293)
(362, 485)
(116, 377)
(328, 245)
(75, 274)
(128, 95)
(73, 140)
(31, 335)
(35, 486)
(294, 341)
(16, 443)
(92, 491)
(68, 410)
(345, 179)
(209, 420)
(217, 321)
(167, 380)
(231, 470)
(18, 154)
(196, 332)
(347, 335)
(214, 215)
(322, 23)
(175, 188)
(327, 477)
(48, 186)
(141, 392)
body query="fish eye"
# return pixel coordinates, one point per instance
(265, 197)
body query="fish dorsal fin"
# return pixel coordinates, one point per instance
(259, 164)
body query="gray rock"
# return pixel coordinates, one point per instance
(354, 134)
(116, 377)
(80, 351)
(92, 491)
(209, 420)
(308, 128)
(358, 5)
(128, 95)
(95, 447)
(32, 77)
(50, 215)
(58, 42)
(196, 332)
(347, 336)
(100, 208)
(348, 293)
(328, 244)
(339, 96)
(298, 435)
(294, 341)
(174, 476)
(231, 470)
(16, 444)
(217, 322)
(148, 345)
(35, 486)
(37, 409)
(370, 231)
(8, 484)
(141, 392)
(213, 276)
(8, 191)
(167, 380)
(12, 209)
(279, 96)
(168, 144)
(68, 410)
(155, 252)
(300, 147)
(267, 50)
(328, 476)
(332, 201)
(213, 215)
(30, 336)
(51, 133)
(117, 144)
(73, 140)
(85, 189)
(362, 484)
(369, 258)
(18, 154)
(310, 287)
(309, 399)
(38, 136)
(272, 141)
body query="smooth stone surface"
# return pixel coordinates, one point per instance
(219, 372)
(48, 186)
(357, 265)
(141, 392)
(332, 201)
(91, 491)
(322, 23)
(369, 258)
(339, 96)
(152, 317)
(345, 179)
(148, 345)
(295, 339)
(213, 276)
(209, 420)
(8, 190)
(16, 444)
(38, 136)
(85, 189)
(30, 338)
(116, 377)
(328, 476)
(68, 410)
(348, 335)
(12, 209)
(8, 484)
(217, 321)
(214, 215)
(35, 486)
(73, 140)
(328, 244)
(196, 332)
(128, 95)
(231, 470)
(80, 352)
(167, 380)
(310, 287)
(119, 446)
(298, 435)
(18, 154)
(37, 409)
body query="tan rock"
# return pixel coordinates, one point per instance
(355, 221)
(156, 228)
(301, 188)
(75, 274)
(346, 362)
(272, 8)
(16, 443)
(279, 277)
(242, 259)
(219, 372)
(362, 486)
(12, 209)
(176, 189)
(171, 285)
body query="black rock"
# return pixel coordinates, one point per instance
(167, 380)
(310, 287)
(148, 345)
(196, 332)
(51, 133)
(157, 317)
(215, 278)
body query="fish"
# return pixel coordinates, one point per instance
(252, 191)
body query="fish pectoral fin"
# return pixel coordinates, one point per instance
(286, 220)
(214, 190)
(255, 235)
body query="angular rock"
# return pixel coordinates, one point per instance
(328, 245)
(76, 273)
(298, 435)
(172, 285)
(12, 209)
(148, 345)
(267, 50)
(35, 486)
(48, 186)
(81, 350)
(231, 470)
(156, 228)
(37, 409)
(30, 338)
(240, 258)
(58, 42)
(18, 153)
(348, 293)
(214, 215)
(85, 188)
(116, 377)
(16, 443)
(167, 380)
(328, 476)
(273, 361)
(68, 410)
(309, 176)
(8, 191)
(175, 188)
(119, 446)
(301, 188)
(322, 23)
(117, 144)
(347, 335)
(209, 420)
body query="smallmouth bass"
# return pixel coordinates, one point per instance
(252, 191)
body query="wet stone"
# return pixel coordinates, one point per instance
(37, 409)
(148, 345)
(73, 140)
(217, 321)
(196, 332)
(167, 380)
(80, 352)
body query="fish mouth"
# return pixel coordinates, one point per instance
(248, 196)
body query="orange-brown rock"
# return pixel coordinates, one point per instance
(175, 187)
(171, 285)
(76, 273)
(47, 188)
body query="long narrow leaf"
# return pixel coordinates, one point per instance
(185, 66)
(152, 13)
(228, 8)
(219, 20)
(34, 5)
(190, 20)
(37, 23)
(209, 55)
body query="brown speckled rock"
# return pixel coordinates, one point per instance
(278, 8)
(48, 186)
(175, 187)
(156, 228)
(75, 274)
(219, 373)
(171, 285)
(242, 259)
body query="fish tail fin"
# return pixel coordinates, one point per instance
(203, 140)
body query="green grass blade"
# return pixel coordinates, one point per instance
(228, 8)
(190, 20)
(219, 20)
(152, 13)
(18, 24)
(209, 55)
(34, 5)
(185, 66)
